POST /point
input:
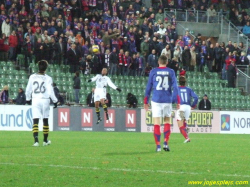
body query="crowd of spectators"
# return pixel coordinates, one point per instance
(130, 35)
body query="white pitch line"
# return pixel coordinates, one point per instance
(112, 159)
(126, 170)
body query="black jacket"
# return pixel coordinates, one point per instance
(231, 75)
(113, 58)
(73, 58)
(20, 99)
(186, 57)
(203, 106)
(108, 98)
(90, 100)
(131, 99)
(243, 61)
(77, 82)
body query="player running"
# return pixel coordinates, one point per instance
(161, 80)
(100, 92)
(40, 89)
(183, 113)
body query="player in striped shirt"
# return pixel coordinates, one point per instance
(161, 81)
(186, 94)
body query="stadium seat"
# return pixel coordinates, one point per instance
(68, 75)
(2, 64)
(20, 60)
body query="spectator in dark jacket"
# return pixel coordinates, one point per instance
(77, 83)
(21, 98)
(90, 98)
(153, 59)
(73, 58)
(231, 74)
(205, 104)
(186, 57)
(113, 60)
(108, 100)
(58, 95)
(131, 100)
(242, 60)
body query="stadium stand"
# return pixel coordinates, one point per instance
(85, 23)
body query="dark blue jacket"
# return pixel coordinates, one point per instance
(20, 99)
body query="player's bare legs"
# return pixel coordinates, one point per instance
(97, 110)
(35, 131)
(181, 121)
(105, 108)
(167, 132)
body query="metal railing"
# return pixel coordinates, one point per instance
(193, 16)
(243, 79)
(245, 69)
(233, 33)
(169, 14)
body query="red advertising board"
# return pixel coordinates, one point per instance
(87, 117)
(63, 117)
(130, 118)
(111, 122)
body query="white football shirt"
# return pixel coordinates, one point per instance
(40, 87)
(103, 81)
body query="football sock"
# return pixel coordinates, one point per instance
(185, 124)
(35, 129)
(157, 135)
(97, 110)
(166, 133)
(45, 130)
(184, 131)
(105, 108)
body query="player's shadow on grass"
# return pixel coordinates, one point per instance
(127, 153)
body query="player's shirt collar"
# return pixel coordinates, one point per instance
(163, 67)
(39, 73)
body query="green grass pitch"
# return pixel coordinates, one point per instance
(121, 159)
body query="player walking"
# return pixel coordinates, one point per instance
(186, 94)
(100, 92)
(40, 90)
(161, 80)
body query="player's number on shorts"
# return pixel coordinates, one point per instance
(39, 88)
(162, 83)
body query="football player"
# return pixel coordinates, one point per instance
(40, 90)
(186, 94)
(161, 81)
(100, 92)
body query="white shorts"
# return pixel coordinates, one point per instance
(161, 109)
(186, 112)
(40, 108)
(99, 94)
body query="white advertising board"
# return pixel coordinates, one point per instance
(235, 122)
(19, 118)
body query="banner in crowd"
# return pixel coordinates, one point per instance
(84, 119)
(199, 122)
(19, 118)
(235, 122)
